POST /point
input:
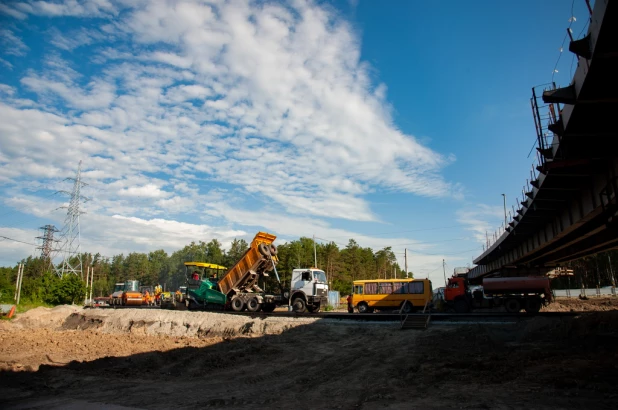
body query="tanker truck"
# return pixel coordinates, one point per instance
(512, 293)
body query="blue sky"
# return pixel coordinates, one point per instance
(395, 123)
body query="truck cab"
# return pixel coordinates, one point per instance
(308, 290)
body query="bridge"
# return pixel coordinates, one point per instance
(568, 208)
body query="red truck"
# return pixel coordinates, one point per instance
(514, 293)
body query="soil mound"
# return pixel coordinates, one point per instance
(43, 317)
(179, 323)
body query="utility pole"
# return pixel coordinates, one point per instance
(91, 281)
(405, 258)
(315, 253)
(504, 199)
(87, 283)
(20, 277)
(444, 270)
(611, 270)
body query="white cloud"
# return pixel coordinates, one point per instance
(187, 106)
(11, 44)
(483, 220)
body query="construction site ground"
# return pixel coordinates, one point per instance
(69, 357)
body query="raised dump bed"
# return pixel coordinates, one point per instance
(257, 261)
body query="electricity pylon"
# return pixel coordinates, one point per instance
(70, 236)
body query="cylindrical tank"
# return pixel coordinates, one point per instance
(516, 285)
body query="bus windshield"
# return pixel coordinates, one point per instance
(319, 276)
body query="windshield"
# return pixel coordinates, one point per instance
(131, 286)
(119, 287)
(319, 276)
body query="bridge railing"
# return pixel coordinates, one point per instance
(548, 125)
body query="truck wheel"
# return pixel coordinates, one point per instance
(314, 309)
(461, 306)
(273, 249)
(533, 306)
(268, 307)
(237, 304)
(512, 306)
(264, 249)
(406, 308)
(363, 308)
(254, 305)
(299, 305)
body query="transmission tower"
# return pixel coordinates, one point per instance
(70, 247)
(48, 240)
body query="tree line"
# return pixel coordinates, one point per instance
(341, 265)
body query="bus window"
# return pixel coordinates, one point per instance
(358, 289)
(397, 287)
(386, 288)
(416, 287)
(371, 288)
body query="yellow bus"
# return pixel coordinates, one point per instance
(369, 295)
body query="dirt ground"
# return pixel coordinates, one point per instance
(72, 358)
(575, 304)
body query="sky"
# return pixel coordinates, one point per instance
(397, 123)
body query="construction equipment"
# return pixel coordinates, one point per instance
(131, 296)
(514, 293)
(201, 292)
(115, 299)
(238, 288)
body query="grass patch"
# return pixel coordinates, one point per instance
(26, 306)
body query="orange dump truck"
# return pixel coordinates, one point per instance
(240, 283)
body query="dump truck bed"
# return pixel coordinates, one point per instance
(243, 276)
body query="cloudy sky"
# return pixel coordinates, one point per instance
(396, 123)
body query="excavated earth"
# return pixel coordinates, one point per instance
(73, 358)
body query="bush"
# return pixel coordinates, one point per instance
(51, 290)
(328, 308)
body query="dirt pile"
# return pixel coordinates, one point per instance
(43, 317)
(574, 304)
(27, 350)
(179, 323)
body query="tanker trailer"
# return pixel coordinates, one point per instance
(514, 293)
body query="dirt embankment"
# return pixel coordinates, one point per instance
(66, 333)
(123, 358)
(575, 304)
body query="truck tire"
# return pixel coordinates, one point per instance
(406, 308)
(264, 249)
(512, 306)
(314, 309)
(237, 304)
(299, 305)
(273, 249)
(254, 305)
(363, 307)
(533, 306)
(268, 307)
(461, 306)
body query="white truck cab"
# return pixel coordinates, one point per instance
(308, 290)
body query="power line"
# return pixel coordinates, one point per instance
(17, 240)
